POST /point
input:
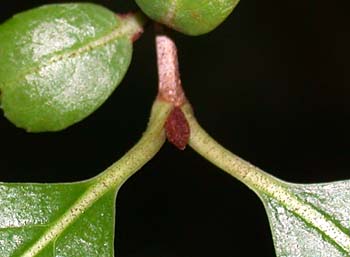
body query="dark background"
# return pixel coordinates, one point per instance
(271, 84)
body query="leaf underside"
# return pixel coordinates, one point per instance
(27, 211)
(294, 236)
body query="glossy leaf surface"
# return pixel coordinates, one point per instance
(73, 219)
(59, 63)
(27, 211)
(315, 221)
(188, 16)
(311, 220)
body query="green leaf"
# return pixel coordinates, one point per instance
(310, 220)
(59, 63)
(192, 17)
(306, 220)
(73, 219)
(27, 211)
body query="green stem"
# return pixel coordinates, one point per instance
(113, 177)
(253, 177)
(150, 143)
(263, 184)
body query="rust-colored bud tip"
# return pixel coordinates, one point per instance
(177, 128)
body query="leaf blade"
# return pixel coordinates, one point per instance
(188, 16)
(88, 203)
(59, 63)
(29, 210)
(294, 236)
(289, 206)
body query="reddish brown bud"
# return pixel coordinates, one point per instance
(177, 128)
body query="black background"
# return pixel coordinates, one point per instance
(271, 84)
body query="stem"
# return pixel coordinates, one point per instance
(262, 183)
(253, 177)
(150, 143)
(170, 95)
(170, 89)
(187, 130)
(112, 178)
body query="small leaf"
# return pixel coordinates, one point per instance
(192, 17)
(59, 63)
(310, 220)
(29, 211)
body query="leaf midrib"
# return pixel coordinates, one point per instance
(307, 221)
(326, 216)
(262, 183)
(111, 179)
(121, 30)
(170, 16)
